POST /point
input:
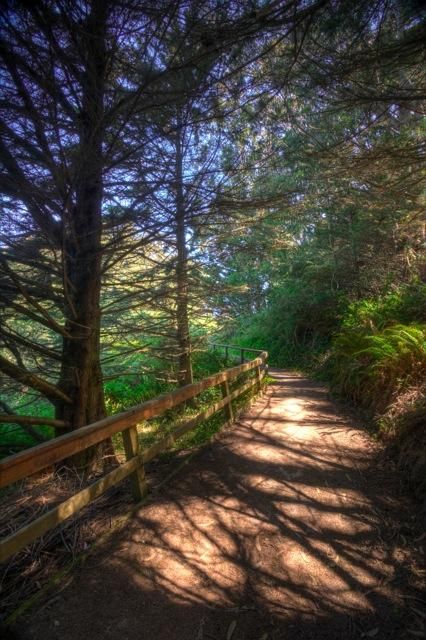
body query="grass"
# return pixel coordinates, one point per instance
(14, 437)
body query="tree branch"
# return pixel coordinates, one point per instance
(25, 377)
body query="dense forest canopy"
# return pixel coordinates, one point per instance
(172, 171)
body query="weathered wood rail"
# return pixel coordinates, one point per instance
(229, 348)
(24, 464)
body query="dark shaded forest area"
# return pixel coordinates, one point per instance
(179, 173)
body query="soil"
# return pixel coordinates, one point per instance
(290, 525)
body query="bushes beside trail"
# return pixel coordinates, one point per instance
(371, 352)
(372, 368)
(384, 371)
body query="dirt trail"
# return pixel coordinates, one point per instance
(282, 528)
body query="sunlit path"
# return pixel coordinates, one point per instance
(274, 531)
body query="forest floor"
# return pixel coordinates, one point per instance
(291, 524)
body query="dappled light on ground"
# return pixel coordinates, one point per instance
(273, 531)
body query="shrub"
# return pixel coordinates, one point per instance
(404, 305)
(123, 393)
(371, 369)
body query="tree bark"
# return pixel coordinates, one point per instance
(81, 375)
(185, 375)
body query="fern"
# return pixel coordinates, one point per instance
(371, 368)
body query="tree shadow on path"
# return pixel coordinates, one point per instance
(285, 527)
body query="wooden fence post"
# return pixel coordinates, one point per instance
(259, 380)
(228, 407)
(242, 356)
(137, 478)
(26, 463)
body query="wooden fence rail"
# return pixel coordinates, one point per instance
(25, 463)
(229, 348)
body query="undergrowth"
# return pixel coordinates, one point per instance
(205, 364)
(373, 367)
(384, 371)
(130, 390)
(371, 352)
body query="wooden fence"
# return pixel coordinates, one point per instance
(24, 464)
(230, 349)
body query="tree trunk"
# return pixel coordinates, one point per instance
(182, 321)
(81, 375)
